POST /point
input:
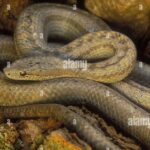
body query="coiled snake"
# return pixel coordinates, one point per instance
(39, 61)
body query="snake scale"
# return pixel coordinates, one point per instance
(111, 57)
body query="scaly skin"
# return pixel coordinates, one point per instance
(54, 21)
(8, 51)
(72, 120)
(7, 48)
(68, 90)
(137, 94)
(46, 20)
(141, 74)
(114, 106)
(114, 69)
(137, 86)
(39, 19)
(134, 91)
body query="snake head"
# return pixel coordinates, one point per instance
(33, 68)
(15, 73)
(21, 69)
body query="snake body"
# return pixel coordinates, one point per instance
(135, 92)
(94, 137)
(114, 69)
(44, 19)
(141, 74)
(41, 22)
(7, 47)
(94, 95)
(117, 50)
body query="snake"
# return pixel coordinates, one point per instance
(67, 117)
(110, 55)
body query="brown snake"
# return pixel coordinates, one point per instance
(116, 49)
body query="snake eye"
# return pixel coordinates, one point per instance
(22, 73)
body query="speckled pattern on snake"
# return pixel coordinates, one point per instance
(111, 57)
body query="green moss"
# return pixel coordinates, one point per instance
(6, 141)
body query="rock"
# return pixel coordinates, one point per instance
(63, 140)
(132, 16)
(10, 11)
(115, 135)
(31, 131)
